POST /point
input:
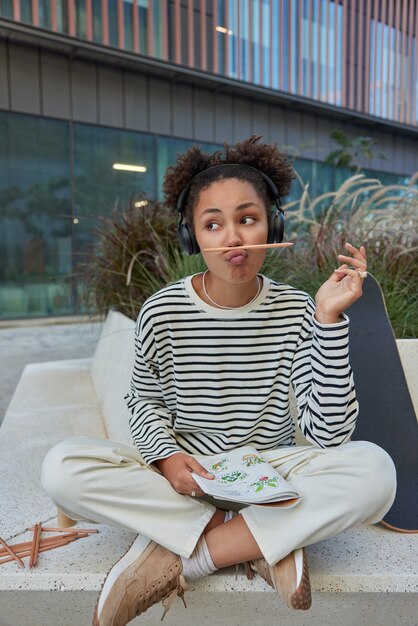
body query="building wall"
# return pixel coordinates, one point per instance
(64, 120)
(357, 55)
(39, 82)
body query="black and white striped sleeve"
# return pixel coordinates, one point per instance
(323, 382)
(151, 422)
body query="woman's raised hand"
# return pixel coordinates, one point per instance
(344, 286)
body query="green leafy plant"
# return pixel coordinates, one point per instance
(351, 149)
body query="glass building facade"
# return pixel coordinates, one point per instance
(50, 206)
(57, 176)
(56, 179)
(358, 54)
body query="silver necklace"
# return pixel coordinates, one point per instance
(230, 308)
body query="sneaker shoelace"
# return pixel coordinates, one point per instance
(170, 597)
(263, 569)
(163, 592)
(248, 571)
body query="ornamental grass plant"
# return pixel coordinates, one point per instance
(362, 211)
(137, 252)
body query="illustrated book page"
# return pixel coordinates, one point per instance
(242, 475)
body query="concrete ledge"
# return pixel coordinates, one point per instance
(364, 559)
(367, 575)
(368, 572)
(225, 609)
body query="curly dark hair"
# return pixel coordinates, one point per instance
(266, 157)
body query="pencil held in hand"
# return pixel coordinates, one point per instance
(259, 246)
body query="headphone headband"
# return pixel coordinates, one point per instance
(276, 221)
(271, 185)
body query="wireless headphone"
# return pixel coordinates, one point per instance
(276, 221)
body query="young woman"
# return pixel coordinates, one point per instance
(216, 354)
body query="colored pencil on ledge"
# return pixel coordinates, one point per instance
(259, 246)
(12, 553)
(33, 548)
(43, 547)
(50, 541)
(71, 529)
(35, 545)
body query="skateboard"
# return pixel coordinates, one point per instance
(386, 416)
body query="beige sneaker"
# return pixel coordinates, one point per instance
(289, 577)
(147, 574)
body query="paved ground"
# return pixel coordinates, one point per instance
(30, 344)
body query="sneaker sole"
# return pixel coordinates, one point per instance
(301, 599)
(141, 553)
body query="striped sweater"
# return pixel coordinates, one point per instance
(207, 380)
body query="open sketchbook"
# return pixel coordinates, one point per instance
(242, 475)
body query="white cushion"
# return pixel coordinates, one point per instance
(111, 373)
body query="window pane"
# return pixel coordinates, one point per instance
(35, 217)
(80, 19)
(244, 39)
(127, 24)
(45, 13)
(26, 10)
(285, 47)
(6, 8)
(62, 15)
(142, 8)
(97, 20)
(113, 23)
(99, 188)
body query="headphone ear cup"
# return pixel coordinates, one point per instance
(187, 239)
(276, 226)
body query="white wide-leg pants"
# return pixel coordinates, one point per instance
(108, 482)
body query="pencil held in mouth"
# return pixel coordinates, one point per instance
(259, 246)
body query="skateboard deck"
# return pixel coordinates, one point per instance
(386, 416)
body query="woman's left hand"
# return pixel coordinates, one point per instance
(343, 288)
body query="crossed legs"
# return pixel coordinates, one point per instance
(108, 482)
